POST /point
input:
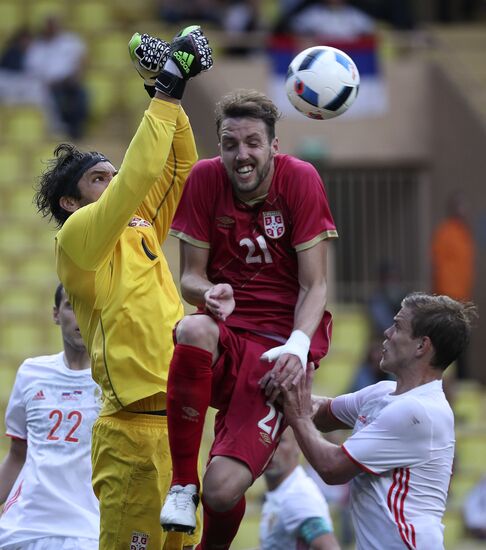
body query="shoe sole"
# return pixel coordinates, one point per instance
(178, 528)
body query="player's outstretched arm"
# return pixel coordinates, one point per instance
(11, 466)
(329, 460)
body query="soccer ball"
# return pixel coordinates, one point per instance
(322, 82)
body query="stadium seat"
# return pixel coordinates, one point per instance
(38, 269)
(132, 95)
(19, 336)
(12, 16)
(8, 369)
(461, 484)
(470, 402)
(127, 12)
(14, 240)
(40, 9)
(103, 91)
(470, 452)
(19, 300)
(11, 167)
(25, 125)
(21, 204)
(110, 52)
(91, 17)
(454, 531)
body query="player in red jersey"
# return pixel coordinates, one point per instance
(253, 227)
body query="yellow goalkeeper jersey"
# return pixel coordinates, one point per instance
(110, 261)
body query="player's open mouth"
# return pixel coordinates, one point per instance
(245, 170)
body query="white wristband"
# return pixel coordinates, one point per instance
(298, 344)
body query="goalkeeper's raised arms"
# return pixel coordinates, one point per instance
(166, 67)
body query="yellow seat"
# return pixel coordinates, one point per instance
(454, 529)
(19, 299)
(90, 16)
(40, 9)
(12, 16)
(11, 166)
(470, 452)
(470, 402)
(25, 125)
(21, 337)
(15, 241)
(110, 52)
(103, 92)
(21, 203)
(133, 96)
(38, 269)
(8, 370)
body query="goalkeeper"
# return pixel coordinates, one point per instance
(109, 259)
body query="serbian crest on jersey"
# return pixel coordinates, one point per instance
(273, 224)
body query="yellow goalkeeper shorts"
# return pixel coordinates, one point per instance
(132, 472)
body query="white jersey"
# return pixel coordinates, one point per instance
(405, 445)
(286, 508)
(53, 408)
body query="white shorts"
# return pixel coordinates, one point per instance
(55, 543)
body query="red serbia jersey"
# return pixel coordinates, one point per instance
(254, 248)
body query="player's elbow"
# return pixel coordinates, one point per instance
(334, 478)
(334, 470)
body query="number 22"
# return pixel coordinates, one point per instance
(56, 413)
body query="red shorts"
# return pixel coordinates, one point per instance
(247, 427)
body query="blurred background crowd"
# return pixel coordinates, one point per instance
(404, 170)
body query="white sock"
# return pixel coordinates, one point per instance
(171, 67)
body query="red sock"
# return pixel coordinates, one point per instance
(188, 397)
(220, 528)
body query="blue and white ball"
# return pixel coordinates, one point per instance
(322, 82)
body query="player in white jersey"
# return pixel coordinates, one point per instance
(401, 450)
(295, 515)
(45, 479)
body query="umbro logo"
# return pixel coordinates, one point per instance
(190, 411)
(265, 439)
(39, 395)
(225, 221)
(190, 414)
(185, 59)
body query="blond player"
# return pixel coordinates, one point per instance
(400, 454)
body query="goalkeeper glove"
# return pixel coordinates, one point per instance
(190, 54)
(149, 55)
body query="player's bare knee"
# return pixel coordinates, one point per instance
(198, 330)
(221, 499)
(225, 483)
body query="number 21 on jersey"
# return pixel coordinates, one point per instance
(257, 251)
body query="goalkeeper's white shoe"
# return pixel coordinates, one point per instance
(179, 510)
(148, 55)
